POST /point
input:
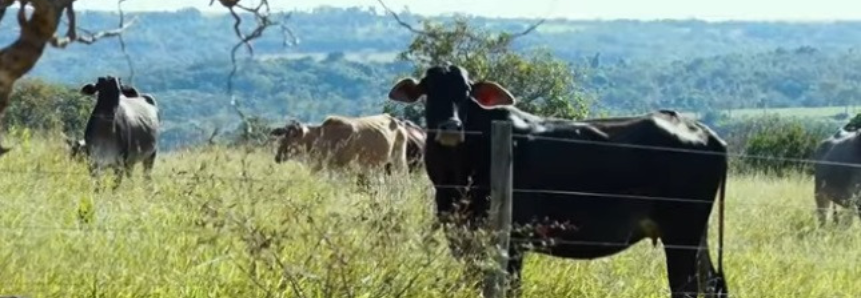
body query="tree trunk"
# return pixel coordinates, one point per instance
(20, 56)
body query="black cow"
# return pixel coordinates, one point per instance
(659, 194)
(123, 128)
(835, 182)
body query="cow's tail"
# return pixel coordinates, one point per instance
(721, 198)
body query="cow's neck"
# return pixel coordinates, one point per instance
(309, 139)
(108, 104)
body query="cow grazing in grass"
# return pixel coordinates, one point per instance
(123, 128)
(415, 144)
(835, 182)
(572, 185)
(370, 142)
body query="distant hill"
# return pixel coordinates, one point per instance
(187, 37)
(343, 64)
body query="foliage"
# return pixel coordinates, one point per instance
(253, 131)
(43, 106)
(541, 83)
(775, 140)
(854, 123)
(218, 222)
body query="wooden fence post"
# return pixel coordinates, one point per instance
(500, 207)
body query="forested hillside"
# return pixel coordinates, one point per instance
(344, 63)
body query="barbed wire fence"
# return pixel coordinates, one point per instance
(249, 179)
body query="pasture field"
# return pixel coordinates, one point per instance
(221, 222)
(803, 112)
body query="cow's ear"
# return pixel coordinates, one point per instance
(88, 89)
(130, 91)
(280, 131)
(490, 94)
(406, 90)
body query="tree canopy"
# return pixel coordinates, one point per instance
(542, 83)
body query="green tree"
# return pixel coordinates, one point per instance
(543, 84)
(42, 106)
(779, 144)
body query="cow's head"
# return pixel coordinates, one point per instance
(108, 90)
(448, 92)
(129, 91)
(290, 137)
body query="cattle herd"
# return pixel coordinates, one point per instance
(595, 187)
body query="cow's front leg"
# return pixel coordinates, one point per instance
(515, 269)
(119, 172)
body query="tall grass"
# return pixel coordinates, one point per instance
(221, 222)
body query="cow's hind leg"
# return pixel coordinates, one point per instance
(681, 268)
(148, 165)
(119, 172)
(823, 203)
(95, 172)
(686, 255)
(710, 281)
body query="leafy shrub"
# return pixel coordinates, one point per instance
(776, 140)
(42, 106)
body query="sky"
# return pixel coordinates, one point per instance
(710, 10)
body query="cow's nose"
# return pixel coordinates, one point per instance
(451, 125)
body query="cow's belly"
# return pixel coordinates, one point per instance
(591, 227)
(105, 154)
(139, 152)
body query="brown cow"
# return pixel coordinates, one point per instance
(371, 141)
(415, 144)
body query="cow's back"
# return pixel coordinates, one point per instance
(660, 129)
(368, 140)
(653, 148)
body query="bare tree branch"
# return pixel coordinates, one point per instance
(264, 20)
(286, 32)
(123, 42)
(400, 21)
(91, 37)
(510, 37)
(528, 29)
(72, 34)
(262, 16)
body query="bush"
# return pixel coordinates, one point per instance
(776, 140)
(42, 106)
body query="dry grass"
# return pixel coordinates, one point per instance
(229, 223)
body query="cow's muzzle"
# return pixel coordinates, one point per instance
(450, 133)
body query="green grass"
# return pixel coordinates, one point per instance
(229, 223)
